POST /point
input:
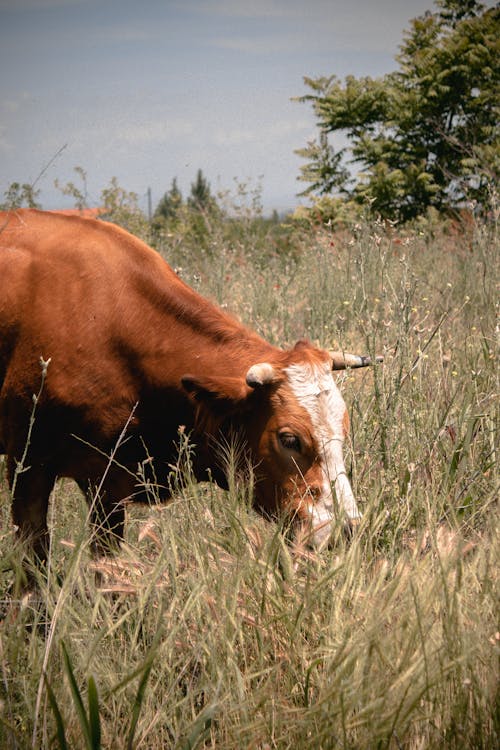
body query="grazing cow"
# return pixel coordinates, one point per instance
(124, 342)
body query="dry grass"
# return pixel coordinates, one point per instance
(209, 630)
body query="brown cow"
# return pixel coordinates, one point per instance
(130, 343)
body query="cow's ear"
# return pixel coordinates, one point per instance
(263, 374)
(221, 394)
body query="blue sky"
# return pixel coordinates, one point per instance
(152, 90)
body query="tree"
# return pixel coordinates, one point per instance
(326, 171)
(168, 208)
(79, 195)
(201, 198)
(18, 195)
(424, 135)
(121, 207)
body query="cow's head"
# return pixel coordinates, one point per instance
(294, 421)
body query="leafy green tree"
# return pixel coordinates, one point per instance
(18, 195)
(326, 170)
(425, 135)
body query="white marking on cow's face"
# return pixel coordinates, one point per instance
(315, 389)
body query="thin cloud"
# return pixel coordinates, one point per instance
(254, 45)
(124, 34)
(159, 132)
(5, 145)
(241, 8)
(23, 5)
(266, 134)
(291, 25)
(12, 105)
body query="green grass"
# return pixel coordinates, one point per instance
(208, 630)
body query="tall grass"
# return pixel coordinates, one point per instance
(208, 629)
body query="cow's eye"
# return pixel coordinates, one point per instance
(290, 441)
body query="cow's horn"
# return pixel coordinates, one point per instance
(342, 360)
(261, 374)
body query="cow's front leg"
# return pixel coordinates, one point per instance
(31, 490)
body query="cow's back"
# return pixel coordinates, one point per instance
(77, 292)
(119, 327)
(53, 268)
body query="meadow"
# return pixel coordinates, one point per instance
(210, 628)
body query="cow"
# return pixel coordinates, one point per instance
(106, 354)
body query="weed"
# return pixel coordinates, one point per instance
(208, 629)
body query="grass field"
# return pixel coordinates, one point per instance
(209, 630)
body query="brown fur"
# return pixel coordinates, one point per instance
(126, 336)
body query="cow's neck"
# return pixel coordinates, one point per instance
(187, 333)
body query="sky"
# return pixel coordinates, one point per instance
(154, 90)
